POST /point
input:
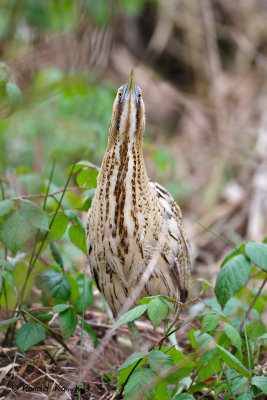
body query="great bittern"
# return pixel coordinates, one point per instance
(129, 212)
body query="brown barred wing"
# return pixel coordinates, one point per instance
(176, 251)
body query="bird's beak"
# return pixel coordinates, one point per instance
(130, 84)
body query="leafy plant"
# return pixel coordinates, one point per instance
(29, 231)
(223, 357)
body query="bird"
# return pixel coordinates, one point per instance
(128, 213)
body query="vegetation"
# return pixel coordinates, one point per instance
(53, 133)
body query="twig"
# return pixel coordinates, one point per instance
(252, 304)
(23, 380)
(134, 295)
(6, 350)
(33, 196)
(212, 232)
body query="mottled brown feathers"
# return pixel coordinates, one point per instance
(129, 213)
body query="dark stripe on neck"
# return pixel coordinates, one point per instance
(120, 186)
(119, 112)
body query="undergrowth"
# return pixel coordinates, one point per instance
(223, 353)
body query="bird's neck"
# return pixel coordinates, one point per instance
(123, 164)
(123, 190)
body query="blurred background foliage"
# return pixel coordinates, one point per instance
(202, 67)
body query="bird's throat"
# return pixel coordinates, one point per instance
(122, 183)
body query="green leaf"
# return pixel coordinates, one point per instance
(90, 332)
(205, 284)
(124, 374)
(8, 277)
(202, 339)
(60, 308)
(13, 94)
(220, 388)
(89, 192)
(183, 363)
(209, 322)
(92, 181)
(161, 391)
(147, 300)
(74, 295)
(197, 387)
(232, 277)
(29, 334)
(137, 382)
(81, 164)
(77, 236)
(15, 231)
(264, 336)
(58, 227)
(206, 346)
(35, 215)
(54, 285)
(237, 383)
(207, 369)
(131, 315)
(233, 335)
(157, 311)
(192, 338)
(86, 205)
(233, 362)
(235, 252)
(56, 254)
(43, 316)
(245, 396)
(7, 265)
(157, 358)
(257, 252)
(85, 293)
(132, 359)
(183, 396)
(67, 322)
(8, 322)
(5, 206)
(161, 363)
(83, 176)
(70, 214)
(260, 382)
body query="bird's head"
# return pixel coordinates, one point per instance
(128, 117)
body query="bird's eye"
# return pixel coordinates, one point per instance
(120, 94)
(139, 95)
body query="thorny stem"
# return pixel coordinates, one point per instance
(252, 304)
